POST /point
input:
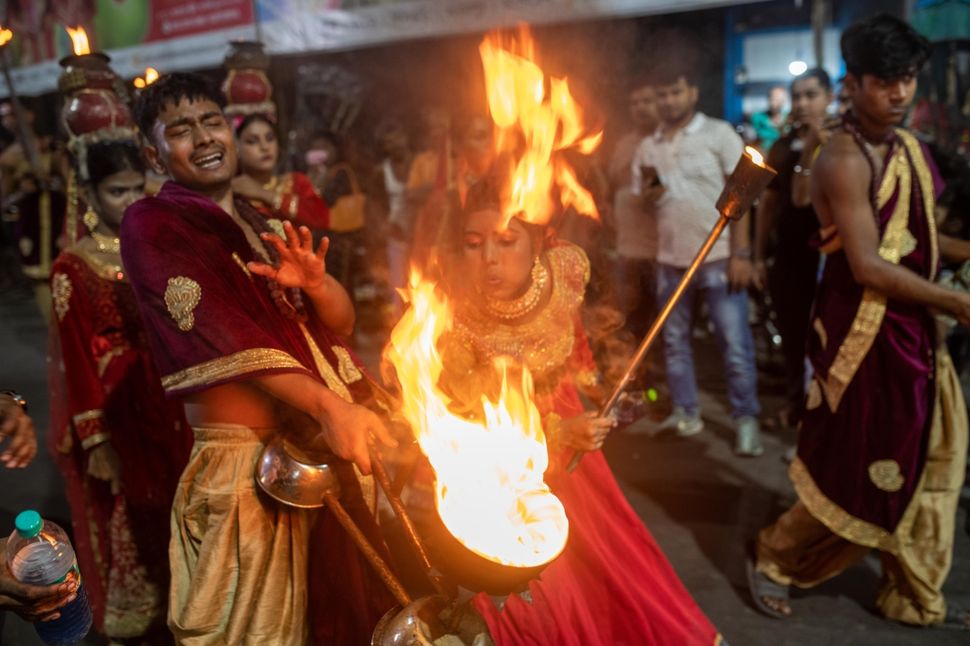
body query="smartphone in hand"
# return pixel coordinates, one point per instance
(650, 177)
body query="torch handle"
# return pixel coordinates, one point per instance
(383, 571)
(657, 325)
(380, 474)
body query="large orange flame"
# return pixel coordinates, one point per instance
(79, 39)
(489, 487)
(535, 127)
(5, 35)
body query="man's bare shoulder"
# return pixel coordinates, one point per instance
(841, 160)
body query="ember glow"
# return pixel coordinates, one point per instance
(538, 120)
(489, 487)
(79, 40)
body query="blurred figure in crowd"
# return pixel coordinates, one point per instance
(392, 173)
(636, 227)
(337, 183)
(769, 124)
(785, 215)
(289, 196)
(33, 198)
(430, 180)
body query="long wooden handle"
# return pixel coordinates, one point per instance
(383, 571)
(658, 324)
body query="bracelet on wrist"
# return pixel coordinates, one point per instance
(17, 397)
(741, 254)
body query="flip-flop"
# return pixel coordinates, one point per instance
(956, 618)
(761, 586)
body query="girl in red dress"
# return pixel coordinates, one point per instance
(290, 196)
(521, 296)
(119, 444)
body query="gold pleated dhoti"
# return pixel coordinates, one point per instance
(238, 558)
(800, 549)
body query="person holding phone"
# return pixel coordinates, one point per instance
(677, 175)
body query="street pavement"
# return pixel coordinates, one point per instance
(701, 503)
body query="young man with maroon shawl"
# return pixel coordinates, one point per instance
(246, 329)
(884, 437)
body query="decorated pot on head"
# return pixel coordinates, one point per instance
(247, 87)
(95, 109)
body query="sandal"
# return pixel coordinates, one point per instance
(761, 586)
(957, 618)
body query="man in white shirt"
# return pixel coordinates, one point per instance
(679, 172)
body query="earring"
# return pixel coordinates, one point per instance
(90, 219)
(539, 273)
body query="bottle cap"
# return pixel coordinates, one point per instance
(28, 523)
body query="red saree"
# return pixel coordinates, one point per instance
(612, 584)
(105, 389)
(298, 201)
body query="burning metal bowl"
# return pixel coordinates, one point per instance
(464, 567)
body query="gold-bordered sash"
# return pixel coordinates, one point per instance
(233, 365)
(330, 377)
(897, 180)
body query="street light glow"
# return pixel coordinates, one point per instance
(796, 68)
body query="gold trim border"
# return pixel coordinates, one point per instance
(95, 413)
(229, 366)
(844, 524)
(872, 308)
(94, 440)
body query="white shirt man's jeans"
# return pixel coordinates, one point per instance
(729, 313)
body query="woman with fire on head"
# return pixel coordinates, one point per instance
(518, 292)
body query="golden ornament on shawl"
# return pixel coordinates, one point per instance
(182, 295)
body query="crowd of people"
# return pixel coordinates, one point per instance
(209, 302)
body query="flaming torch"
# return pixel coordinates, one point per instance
(749, 179)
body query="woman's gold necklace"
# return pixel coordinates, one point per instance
(519, 307)
(106, 243)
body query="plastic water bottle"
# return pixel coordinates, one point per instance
(40, 553)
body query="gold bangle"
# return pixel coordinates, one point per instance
(89, 443)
